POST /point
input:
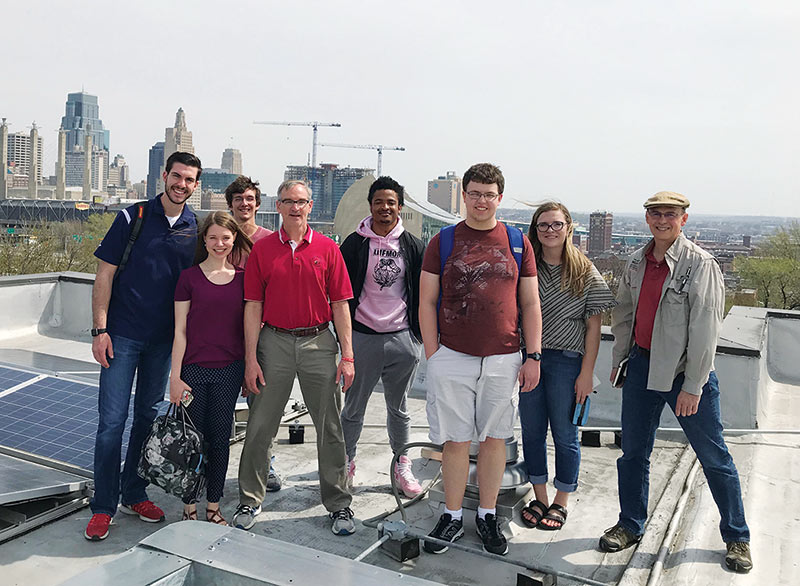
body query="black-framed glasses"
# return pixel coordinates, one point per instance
(554, 226)
(656, 215)
(476, 195)
(300, 203)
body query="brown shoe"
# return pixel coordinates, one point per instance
(738, 557)
(214, 516)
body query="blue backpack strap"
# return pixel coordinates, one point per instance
(447, 238)
(515, 242)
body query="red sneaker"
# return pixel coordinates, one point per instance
(97, 529)
(146, 510)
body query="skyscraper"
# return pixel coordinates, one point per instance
(119, 173)
(232, 161)
(155, 162)
(19, 155)
(82, 115)
(328, 183)
(600, 224)
(177, 138)
(445, 192)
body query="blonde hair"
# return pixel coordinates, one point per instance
(575, 267)
(241, 243)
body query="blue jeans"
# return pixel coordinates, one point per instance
(150, 362)
(641, 412)
(552, 400)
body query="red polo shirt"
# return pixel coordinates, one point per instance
(296, 286)
(655, 273)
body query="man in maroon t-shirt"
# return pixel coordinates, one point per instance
(472, 347)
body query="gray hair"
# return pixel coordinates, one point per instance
(289, 183)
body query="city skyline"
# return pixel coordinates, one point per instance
(599, 106)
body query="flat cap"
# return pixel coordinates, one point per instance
(667, 198)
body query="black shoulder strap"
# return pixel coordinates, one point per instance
(138, 220)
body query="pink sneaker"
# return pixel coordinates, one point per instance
(404, 478)
(351, 474)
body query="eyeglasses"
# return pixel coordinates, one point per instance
(656, 215)
(300, 203)
(555, 226)
(476, 195)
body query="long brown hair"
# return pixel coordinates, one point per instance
(575, 267)
(241, 243)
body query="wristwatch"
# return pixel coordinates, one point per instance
(97, 331)
(537, 356)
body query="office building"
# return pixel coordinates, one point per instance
(600, 224)
(328, 183)
(119, 173)
(75, 166)
(19, 157)
(445, 193)
(178, 138)
(83, 115)
(216, 180)
(155, 163)
(232, 161)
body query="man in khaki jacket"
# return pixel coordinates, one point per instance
(671, 301)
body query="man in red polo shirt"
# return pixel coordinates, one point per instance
(295, 283)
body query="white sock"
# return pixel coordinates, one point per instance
(483, 512)
(455, 515)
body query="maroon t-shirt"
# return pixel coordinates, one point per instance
(215, 324)
(655, 273)
(478, 314)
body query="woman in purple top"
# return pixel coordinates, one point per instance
(208, 348)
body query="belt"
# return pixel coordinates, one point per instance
(643, 351)
(301, 332)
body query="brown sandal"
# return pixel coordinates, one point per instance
(214, 516)
(189, 516)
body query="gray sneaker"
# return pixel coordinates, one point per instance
(245, 516)
(343, 523)
(273, 481)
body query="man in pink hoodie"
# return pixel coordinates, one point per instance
(384, 263)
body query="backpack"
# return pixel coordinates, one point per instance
(447, 238)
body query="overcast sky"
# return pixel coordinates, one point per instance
(598, 103)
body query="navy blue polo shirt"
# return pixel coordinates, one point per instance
(142, 299)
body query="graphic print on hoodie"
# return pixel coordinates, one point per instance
(382, 304)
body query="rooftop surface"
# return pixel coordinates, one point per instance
(46, 332)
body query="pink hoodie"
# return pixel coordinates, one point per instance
(382, 304)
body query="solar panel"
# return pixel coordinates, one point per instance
(52, 417)
(10, 377)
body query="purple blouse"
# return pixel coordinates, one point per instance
(215, 324)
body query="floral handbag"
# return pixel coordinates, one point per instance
(173, 455)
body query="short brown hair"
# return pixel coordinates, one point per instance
(241, 184)
(485, 173)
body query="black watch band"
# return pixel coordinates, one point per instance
(537, 356)
(97, 331)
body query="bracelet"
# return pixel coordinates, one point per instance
(350, 360)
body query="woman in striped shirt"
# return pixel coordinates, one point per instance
(573, 296)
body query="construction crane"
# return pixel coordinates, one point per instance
(375, 147)
(313, 125)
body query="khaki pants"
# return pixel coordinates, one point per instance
(313, 359)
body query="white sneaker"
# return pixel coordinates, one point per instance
(404, 478)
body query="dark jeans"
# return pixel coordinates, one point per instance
(150, 362)
(552, 400)
(641, 412)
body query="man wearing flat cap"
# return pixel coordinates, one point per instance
(670, 304)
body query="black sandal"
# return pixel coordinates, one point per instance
(555, 513)
(537, 513)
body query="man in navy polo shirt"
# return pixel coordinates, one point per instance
(132, 315)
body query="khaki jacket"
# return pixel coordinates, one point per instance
(688, 318)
